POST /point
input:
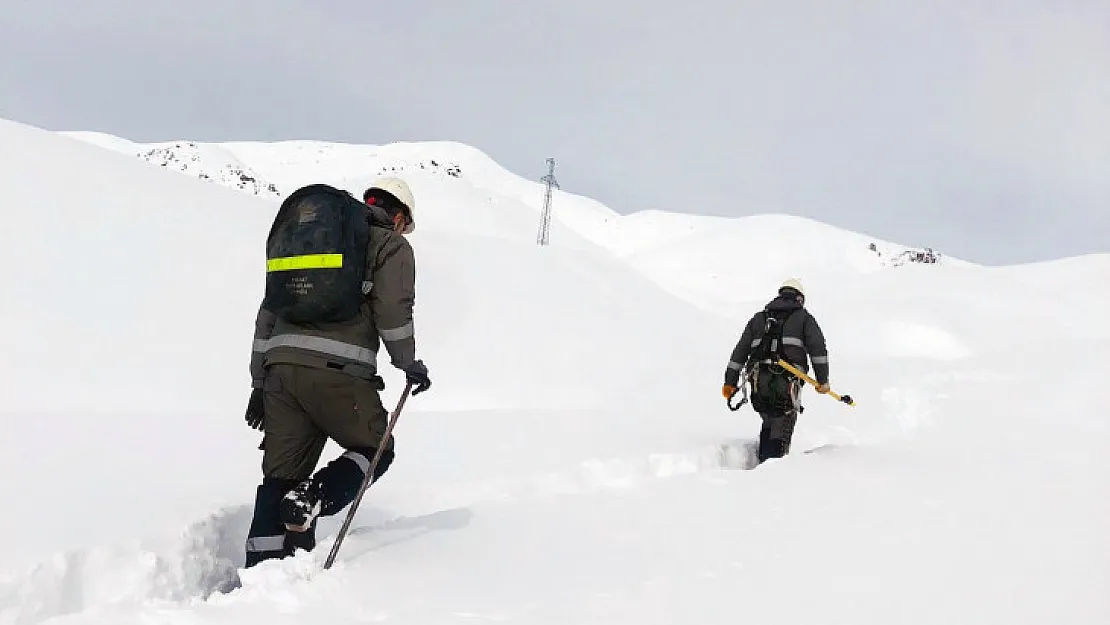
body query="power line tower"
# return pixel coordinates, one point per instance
(545, 219)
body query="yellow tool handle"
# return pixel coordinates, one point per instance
(792, 369)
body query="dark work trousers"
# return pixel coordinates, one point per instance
(304, 407)
(775, 397)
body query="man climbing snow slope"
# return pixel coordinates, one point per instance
(340, 276)
(782, 329)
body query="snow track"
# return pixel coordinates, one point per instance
(193, 565)
(205, 558)
(592, 475)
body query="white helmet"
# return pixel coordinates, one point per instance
(400, 190)
(793, 283)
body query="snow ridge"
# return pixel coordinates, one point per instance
(188, 157)
(680, 252)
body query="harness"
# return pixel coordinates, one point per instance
(765, 349)
(765, 355)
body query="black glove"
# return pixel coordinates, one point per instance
(255, 413)
(417, 373)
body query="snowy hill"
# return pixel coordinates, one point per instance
(500, 202)
(461, 189)
(204, 161)
(574, 461)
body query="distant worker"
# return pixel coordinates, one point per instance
(783, 329)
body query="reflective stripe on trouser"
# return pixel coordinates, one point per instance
(360, 459)
(266, 543)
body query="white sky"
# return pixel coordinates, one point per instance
(980, 128)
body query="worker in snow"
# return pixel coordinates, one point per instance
(316, 378)
(783, 329)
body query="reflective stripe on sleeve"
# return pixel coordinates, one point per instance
(397, 334)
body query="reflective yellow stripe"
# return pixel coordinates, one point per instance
(310, 261)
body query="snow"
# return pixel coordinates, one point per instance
(573, 461)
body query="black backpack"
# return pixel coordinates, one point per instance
(316, 256)
(771, 340)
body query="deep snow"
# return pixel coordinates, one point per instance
(573, 461)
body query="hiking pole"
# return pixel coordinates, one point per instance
(367, 480)
(792, 369)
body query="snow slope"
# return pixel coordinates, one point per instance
(705, 260)
(573, 461)
(460, 188)
(203, 160)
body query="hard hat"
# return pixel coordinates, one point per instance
(793, 283)
(400, 190)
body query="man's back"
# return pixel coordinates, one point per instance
(802, 343)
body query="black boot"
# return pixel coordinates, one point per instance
(305, 540)
(300, 506)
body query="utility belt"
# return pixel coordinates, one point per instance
(354, 370)
(359, 371)
(772, 367)
(763, 404)
(309, 351)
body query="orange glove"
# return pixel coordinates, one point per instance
(728, 391)
(824, 388)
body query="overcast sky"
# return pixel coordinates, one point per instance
(980, 128)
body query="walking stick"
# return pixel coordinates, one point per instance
(792, 369)
(367, 480)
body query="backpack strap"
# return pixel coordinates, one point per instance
(375, 241)
(767, 352)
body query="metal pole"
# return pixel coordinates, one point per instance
(366, 481)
